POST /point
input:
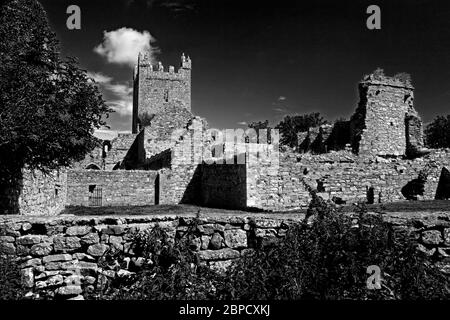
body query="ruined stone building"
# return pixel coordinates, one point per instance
(376, 156)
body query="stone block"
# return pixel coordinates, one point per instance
(57, 257)
(41, 249)
(82, 256)
(205, 242)
(66, 244)
(55, 280)
(97, 250)
(222, 254)
(78, 230)
(28, 240)
(7, 239)
(216, 241)
(7, 248)
(235, 238)
(31, 263)
(69, 291)
(91, 238)
(116, 242)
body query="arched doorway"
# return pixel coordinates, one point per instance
(443, 188)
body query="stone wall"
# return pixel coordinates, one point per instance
(118, 188)
(118, 148)
(43, 194)
(344, 176)
(60, 256)
(224, 185)
(378, 125)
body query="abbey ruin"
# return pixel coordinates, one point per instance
(377, 156)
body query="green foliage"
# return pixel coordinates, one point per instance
(49, 107)
(437, 133)
(10, 279)
(261, 125)
(325, 257)
(291, 125)
(329, 258)
(169, 271)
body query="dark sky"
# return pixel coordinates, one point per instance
(257, 60)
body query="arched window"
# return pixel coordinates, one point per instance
(93, 166)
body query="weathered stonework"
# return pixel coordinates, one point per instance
(118, 187)
(378, 125)
(70, 268)
(376, 156)
(154, 87)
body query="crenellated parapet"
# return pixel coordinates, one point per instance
(156, 85)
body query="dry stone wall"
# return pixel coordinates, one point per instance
(60, 257)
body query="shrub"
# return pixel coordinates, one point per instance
(169, 271)
(328, 259)
(10, 279)
(324, 257)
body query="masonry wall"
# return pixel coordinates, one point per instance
(119, 187)
(60, 256)
(43, 194)
(379, 122)
(224, 185)
(154, 86)
(342, 175)
(120, 146)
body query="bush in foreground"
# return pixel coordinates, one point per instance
(326, 258)
(10, 279)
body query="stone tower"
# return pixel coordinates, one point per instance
(385, 122)
(154, 87)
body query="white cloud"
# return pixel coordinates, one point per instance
(119, 96)
(243, 123)
(99, 77)
(123, 45)
(122, 107)
(281, 98)
(119, 89)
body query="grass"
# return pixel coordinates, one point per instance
(183, 209)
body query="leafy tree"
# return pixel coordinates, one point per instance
(49, 107)
(291, 125)
(437, 133)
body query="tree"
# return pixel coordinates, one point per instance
(437, 133)
(49, 107)
(291, 125)
(261, 125)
